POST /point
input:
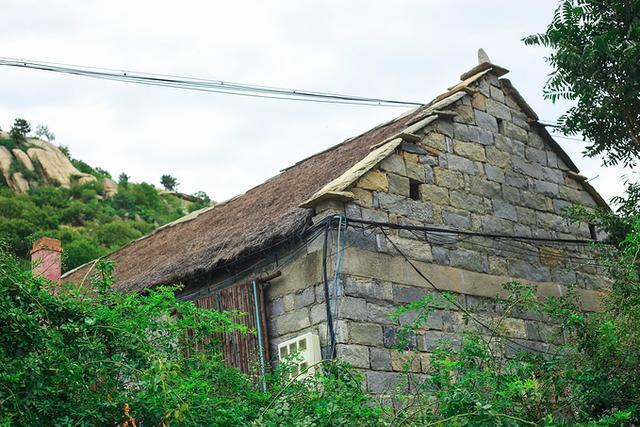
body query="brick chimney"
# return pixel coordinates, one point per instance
(46, 258)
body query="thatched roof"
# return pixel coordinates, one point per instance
(258, 218)
(264, 215)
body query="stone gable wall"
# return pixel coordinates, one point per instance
(485, 170)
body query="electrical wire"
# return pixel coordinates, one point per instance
(206, 85)
(455, 303)
(467, 233)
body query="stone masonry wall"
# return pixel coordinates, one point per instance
(485, 170)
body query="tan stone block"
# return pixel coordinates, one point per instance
(513, 328)
(478, 101)
(551, 257)
(405, 361)
(447, 178)
(497, 157)
(425, 362)
(374, 180)
(416, 171)
(364, 198)
(434, 194)
(465, 114)
(470, 150)
(411, 157)
(435, 140)
(498, 265)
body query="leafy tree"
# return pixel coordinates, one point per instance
(123, 179)
(20, 129)
(595, 55)
(168, 182)
(42, 131)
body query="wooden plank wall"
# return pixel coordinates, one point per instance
(241, 350)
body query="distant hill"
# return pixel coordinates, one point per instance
(45, 192)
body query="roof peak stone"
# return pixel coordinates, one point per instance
(484, 63)
(483, 57)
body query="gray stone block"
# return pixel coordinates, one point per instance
(504, 210)
(462, 164)
(353, 308)
(469, 260)
(356, 355)
(440, 255)
(366, 334)
(456, 218)
(498, 109)
(403, 294)
(398, 184)
(494, 173)
(534, 200)
(461, 132)
(304, 298)
(526, 168)
(526, 270)
(380, 359)
(367, 288)
(290, 322)
(485, 188)
(381, 382)
(552, 221)
(394, 164)
(536, 155)
(486, 121)
(497, 94)
(511, 194)
(468, 202)
(553, 175)
(433, 339)
(375, 214)
(405, 207)
(318, 313)
(492, 224)
(445, 127)
(379, 313)
(545, 187)
(390, 338)
(512, 131)
(276, 307)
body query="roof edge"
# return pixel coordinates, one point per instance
(355, 172)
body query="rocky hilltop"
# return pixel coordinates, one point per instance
(33, 162)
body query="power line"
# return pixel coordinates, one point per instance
(204, 85)
(468, 233)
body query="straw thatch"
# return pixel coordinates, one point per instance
(262, 216)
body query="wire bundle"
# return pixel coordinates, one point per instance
(204, 85)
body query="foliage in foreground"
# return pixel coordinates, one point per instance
(82, 358)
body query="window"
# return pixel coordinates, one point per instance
(593, 232)
(414, 189)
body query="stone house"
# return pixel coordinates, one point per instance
(461, 194)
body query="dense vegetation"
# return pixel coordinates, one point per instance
(78, 358)
(88, 223)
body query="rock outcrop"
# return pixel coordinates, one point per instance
(41, 159)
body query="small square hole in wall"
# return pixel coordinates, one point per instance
(414, 189)
(593, 232)
(500, 125)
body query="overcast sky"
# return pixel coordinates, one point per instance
(224, 144)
